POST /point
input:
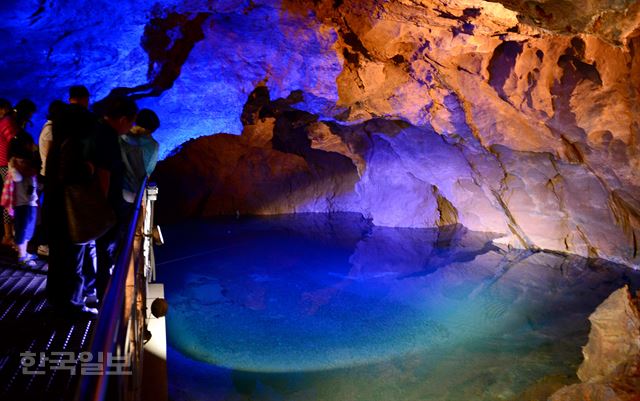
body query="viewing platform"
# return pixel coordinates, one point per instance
(39, 346)
(48, 355)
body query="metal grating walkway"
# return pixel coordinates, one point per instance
(26, 325)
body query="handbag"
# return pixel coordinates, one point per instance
(89, 214)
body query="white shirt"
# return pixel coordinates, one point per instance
(44, 143)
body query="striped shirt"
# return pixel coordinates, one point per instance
(8, 129)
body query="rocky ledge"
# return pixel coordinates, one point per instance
(611, 367)
(398, 174)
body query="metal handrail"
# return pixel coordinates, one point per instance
(105, 333)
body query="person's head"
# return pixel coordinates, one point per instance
(24, 111)
(79, 94)
(5, 107)
(120, 113)
(55, 109)
(147, 122)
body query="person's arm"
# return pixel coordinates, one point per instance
(9, 129)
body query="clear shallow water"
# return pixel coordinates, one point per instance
(316, 307)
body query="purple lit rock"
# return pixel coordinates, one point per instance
(510, 117)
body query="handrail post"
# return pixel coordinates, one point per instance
(148, 232)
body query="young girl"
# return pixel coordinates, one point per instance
(25, 204)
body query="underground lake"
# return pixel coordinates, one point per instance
(331, 307)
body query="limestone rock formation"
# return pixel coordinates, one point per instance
(614, 339)
(515, 117)
(611, 366)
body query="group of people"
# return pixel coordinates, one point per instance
(107, 151)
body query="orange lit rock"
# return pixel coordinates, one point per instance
(510, 117)
(611, 366)
(614, 340)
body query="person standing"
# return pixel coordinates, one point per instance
(44, 144)
(79, 97)
(23, 172)
(66, 166)
(79, 94)
(13, 138)
(103, 153)
(8, 129)
(139, 153)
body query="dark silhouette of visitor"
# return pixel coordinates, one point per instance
(79, 94)
(44, 144)
(103, 152)
(67, 167)
(139, 153)
(79, 97)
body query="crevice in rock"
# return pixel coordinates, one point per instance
(37, 15)
(626, 216)
(574, 71)
(448, 15)
(498, 194)
(352, 40)
(514, 29)
(168, 41)
(552, 186)
(592, 251)
(572, 152)
(447, 213)
(471, 12)
(502, 64)
(532, 81)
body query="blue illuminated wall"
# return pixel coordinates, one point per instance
(48, 46)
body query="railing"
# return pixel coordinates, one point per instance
(119, 331)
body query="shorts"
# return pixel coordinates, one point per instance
(24, 222)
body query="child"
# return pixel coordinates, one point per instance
(25, 204)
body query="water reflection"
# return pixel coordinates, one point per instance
(320, 307)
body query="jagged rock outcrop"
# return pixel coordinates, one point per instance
(515, 117)
(611, 366)
(397, 174)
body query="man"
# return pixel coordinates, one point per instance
(56, 108)
(78, 94)
(66, 166)
(79, 100)
(139, 152)
(103, 152)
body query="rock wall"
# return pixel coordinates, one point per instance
(611, 366)
(519, 118)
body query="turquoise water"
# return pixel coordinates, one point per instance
(317, 307)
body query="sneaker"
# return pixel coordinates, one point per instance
(86, 313)
(43, 250)
(91, 301)
(26, 262)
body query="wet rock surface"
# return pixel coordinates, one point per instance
(611, 366)
(514, 117)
